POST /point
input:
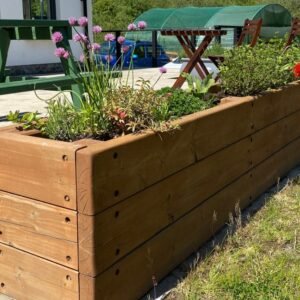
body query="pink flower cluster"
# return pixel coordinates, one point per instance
(82, 21)
(80, 37)
(97, 29)
(121, 40)
(140, 25)
(62, 53)
(95, 47)
(57, 37)
(109, 37)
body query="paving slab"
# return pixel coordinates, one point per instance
(29, 102)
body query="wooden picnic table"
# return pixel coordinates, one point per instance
(194, 53)
(36, 30)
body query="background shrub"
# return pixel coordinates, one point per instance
(248, 71)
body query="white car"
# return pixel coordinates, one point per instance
(180, 63)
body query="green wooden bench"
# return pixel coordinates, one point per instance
(38, 30)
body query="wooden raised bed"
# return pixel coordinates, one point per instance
(96, 220)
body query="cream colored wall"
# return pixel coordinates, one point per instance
(38, 52)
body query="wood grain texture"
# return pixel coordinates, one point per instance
(276, 104)
(27, 277)
(108, 236)
(131, 277)
(270, 171)
(103, 169)
(56, 250)
(37, 217)
(42, 229)
(38, 168)
(270, 139)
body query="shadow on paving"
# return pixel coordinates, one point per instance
(164, 287)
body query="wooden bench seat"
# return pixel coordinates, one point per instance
(36, 30)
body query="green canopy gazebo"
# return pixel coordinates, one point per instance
(276, 21)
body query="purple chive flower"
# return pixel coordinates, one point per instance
(108, 58)
(163, 70)
(142, 25)
(95, 47)
(80, 37)
(59, 52)
(97, 29)
(83, 21)
(131, 27)
(57, 37)
(82, 58)
(121, 39)
(125, 49)
(109, 37)
(72, 21)
(66, 55)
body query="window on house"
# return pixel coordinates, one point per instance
(39, 9)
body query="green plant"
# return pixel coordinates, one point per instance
(109, 107)
(199, 87)
(30, 120)
(248, 71)
(181, 103)
(216, 49)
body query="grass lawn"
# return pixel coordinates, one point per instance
(261, 260)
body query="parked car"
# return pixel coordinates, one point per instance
(140, 52)
(178, 64)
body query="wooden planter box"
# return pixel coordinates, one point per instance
(96, 220)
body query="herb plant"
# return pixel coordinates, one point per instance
(248, 71)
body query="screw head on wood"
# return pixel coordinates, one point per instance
(67, 198)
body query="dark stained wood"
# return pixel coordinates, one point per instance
(163, 252)
(251, 28)
(295, 31)
(107, 237)
(270, 139)
(194, 54)
(275, 105)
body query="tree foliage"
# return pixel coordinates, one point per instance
(117, 14)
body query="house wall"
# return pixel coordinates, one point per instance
(39, 52)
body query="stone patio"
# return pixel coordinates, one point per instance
(28, 101)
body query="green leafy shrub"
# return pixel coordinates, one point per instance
(248, 71)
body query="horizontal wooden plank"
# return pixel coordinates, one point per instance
(56, 250)
(269, 140)
(274, 105)
(143, 159)
(38, 217)
(131, 277)
(27, 277)
(38, 168)
(42, 229)
(270, 171)
(108, 236)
